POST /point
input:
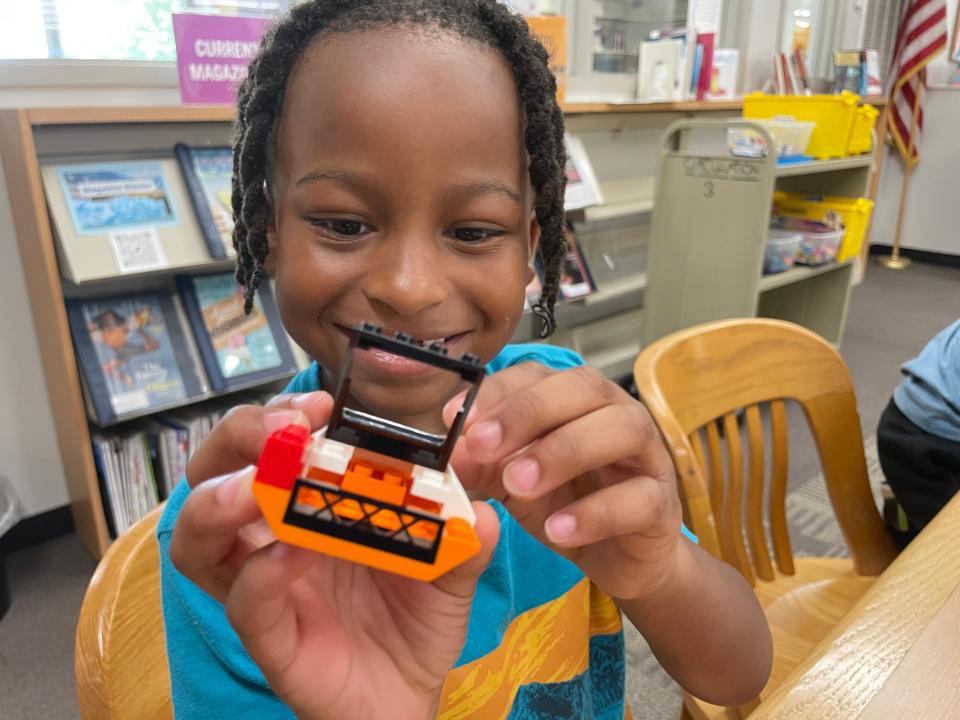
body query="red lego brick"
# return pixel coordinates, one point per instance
(282, 457)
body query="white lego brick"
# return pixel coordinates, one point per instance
(329, 455)
(443, 488)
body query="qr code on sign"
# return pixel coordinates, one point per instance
(138, 250)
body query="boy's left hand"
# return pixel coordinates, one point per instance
(581, 465)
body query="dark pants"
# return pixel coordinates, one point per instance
(923, 470)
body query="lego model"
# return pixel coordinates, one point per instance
(369, 490)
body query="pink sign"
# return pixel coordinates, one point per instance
(213, 52)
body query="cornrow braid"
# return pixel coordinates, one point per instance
(489, 22)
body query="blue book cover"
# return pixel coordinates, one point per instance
(109, 196)
(208, 174)
(237, 349)
(133, 354)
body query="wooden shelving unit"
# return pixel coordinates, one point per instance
(710, 224)
(30, 138)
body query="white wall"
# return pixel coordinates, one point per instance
(29, 456)
(932, 220)
(28, 446)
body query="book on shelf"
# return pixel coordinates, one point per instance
(850, 71)
(141, 465)
(583, 190)
(723, 83)
(658, 77)
(121, 217)
(707, 41)
(576, 282)
(874, 76)
(695, 69)
(134, 354)
(131, 487)
(551, 31)
(237, 349)
(208, 175)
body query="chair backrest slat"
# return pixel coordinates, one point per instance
(716, 467)
(733, 499)
(778, 488)
(756, 479)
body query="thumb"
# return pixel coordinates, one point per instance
(461, 582)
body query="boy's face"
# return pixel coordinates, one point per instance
(401, 197)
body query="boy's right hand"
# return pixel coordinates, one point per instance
(333, 639)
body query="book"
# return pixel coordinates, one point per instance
(695, 69)
(236, 348)
(551, 32)
(657, 79)
(790, 73)
(575, 279)
(849, 71)
(133, 353)
(208, 175)
(583, 190)
(874, 78)
(122, 217)
(800, 67)
(707, 41)
(723, 84)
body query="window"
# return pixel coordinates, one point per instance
(107, 29)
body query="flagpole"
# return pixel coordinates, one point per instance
(894, 261)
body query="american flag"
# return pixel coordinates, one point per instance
(922, 35)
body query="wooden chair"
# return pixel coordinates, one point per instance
(696, 384)
(121, 657)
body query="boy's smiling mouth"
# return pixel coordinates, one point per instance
(384, 363)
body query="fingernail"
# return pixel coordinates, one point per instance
(560, 528)
(303, 401)
(277, 420)
(522, 476)
(278, 551)
(226, 492)
(486, 436)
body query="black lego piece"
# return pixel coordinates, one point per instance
(383, 436)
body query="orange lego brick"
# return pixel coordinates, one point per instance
(367, 486)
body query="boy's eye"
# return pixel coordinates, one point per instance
(475, 234)
(342, 227)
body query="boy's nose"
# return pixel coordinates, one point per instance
(407, 276)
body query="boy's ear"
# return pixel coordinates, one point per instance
(270, 263)
(534, 244)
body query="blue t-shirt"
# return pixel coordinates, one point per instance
(930, 392)
(542, 640)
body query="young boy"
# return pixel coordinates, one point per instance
(401, 162)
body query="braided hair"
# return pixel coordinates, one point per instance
(260, 103)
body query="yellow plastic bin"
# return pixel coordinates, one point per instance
(833, 114)
(854, 213)
(861, 135)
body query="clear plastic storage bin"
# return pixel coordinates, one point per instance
(781, 250)
(790, 137)
(819, 242)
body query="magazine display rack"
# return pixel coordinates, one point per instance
(32, 143)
